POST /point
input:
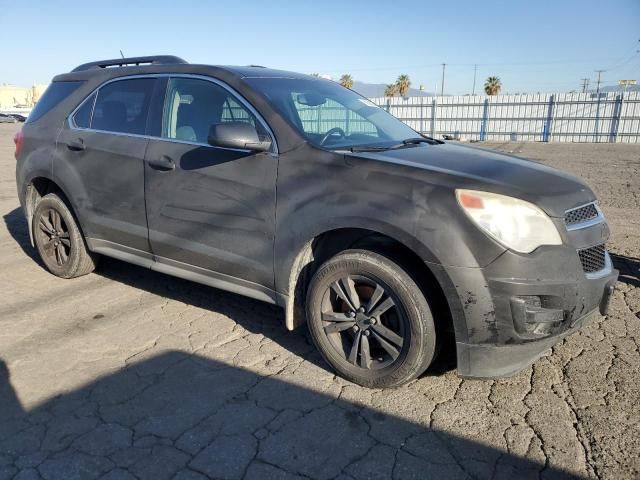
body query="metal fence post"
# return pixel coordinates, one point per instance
(546, 130)
(434, 106)
(597, 125)
(615, 121)
(348, 122)
(485, 120)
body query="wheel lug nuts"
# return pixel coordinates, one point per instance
(351, 314)
(367, 333)
(356, 328)
(361, 309)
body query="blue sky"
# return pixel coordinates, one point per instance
(534, 45)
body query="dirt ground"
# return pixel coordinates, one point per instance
(127, 373)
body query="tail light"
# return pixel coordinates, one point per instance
(18, 140)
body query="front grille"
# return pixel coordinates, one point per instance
(592, 259)
(581, 214)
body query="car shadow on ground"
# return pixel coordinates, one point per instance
(183, 416)
(629, 269)
(253, 315)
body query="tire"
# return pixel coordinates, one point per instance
(59, 240)
(401, 339)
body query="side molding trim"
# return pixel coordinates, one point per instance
(186, 271)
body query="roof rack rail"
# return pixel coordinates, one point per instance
(125, 62)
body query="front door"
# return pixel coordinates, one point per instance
(209, 207)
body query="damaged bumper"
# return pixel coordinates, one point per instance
(519, 306)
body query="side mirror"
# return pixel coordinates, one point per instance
(240, 135)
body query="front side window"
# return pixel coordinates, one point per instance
(330, 115)
(192, 105)
(123, 106)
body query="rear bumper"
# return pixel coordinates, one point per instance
(518, 307)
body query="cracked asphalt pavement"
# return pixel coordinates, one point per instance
(128, 373)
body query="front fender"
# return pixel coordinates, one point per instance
(320, 191)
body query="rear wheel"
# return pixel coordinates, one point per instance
(370, 320)
(59, 240)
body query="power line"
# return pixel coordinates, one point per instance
(624, 62)
(615, 67)
(432, 65)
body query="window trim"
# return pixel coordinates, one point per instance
(72, 119)
(233, 92)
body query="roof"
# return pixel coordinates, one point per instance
(254, 71)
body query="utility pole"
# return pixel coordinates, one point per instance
(442, 85)
(475, 71)
(599, 72)
(585, 84)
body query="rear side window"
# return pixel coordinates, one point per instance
(53, 95)
(82, 118)
(123, 106)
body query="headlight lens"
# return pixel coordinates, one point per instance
(516, 224)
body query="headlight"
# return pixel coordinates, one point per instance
(516, 224)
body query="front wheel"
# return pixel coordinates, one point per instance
(370, 320)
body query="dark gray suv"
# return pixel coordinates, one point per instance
(296, 191)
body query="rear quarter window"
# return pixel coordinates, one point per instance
(53, 95)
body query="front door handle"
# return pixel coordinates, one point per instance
(76, 145)
(164, 163)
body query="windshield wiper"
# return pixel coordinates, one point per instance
(405, 143)
(364, 148)
(424, 139)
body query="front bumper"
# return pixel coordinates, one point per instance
(492, 361)
(519, 306)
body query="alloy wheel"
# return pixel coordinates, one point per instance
(364, 322)
(54, 238)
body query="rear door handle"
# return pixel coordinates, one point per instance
(76, 145)
(164, 163)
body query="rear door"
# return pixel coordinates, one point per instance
(210, 207)
(102, 151)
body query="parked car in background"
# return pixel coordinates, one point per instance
(5, 118)
(18, 117)
(297, 191)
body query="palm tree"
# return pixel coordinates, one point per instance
(492, 86)
(346, 81)
(403, 84)
(317, 75)
(391, 90)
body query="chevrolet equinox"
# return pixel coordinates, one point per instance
(296, 191)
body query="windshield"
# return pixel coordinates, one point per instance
(332, 116)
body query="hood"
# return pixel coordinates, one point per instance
(479, 169)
